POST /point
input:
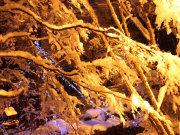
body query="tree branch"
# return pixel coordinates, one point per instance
(147, 87)
(19, 34)
(158, 124)
(116, 20)
(38, 60)
(150, 29)
(11, 35)
(102, 89)
(158, 118)
(9, 94)
(123, 18)
(17, 7)
(12, 7)
(136, 21)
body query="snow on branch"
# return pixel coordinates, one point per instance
(38, 60)
(17, 7)
(4, 93)
(103, 89)
(11, 35)
(9, 94)
(4, 38)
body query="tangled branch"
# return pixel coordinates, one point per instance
(38, 60)
(17, 7)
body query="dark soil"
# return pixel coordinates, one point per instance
(119, 130)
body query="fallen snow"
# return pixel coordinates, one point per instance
(61, 124)
(94, 114)
(93, 119)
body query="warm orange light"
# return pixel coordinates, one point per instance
(10, 111)
(135, 100)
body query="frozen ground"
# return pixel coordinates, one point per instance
(93, 119)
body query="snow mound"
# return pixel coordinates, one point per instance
(94, 114)
(61, 124)
(93, 119)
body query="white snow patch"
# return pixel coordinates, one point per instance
(94, 119)
(94, 114)
(61, 124)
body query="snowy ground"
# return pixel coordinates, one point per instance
(94, 119)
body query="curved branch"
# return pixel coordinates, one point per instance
(38, 39)
(9, 94)
(12, 7)
(38, 60)
(17, 7)
(19, 34)
(12, 35)
(102, 89)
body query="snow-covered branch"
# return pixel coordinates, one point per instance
(102, 89)
(12, 35)
(17, 7)
(19, 34)
(38, 60)
(9, 94)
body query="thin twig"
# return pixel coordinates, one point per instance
(147, 87)
(150, 30)
(123, 19)
(137, 23)
(116, 20)
(96, 22)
